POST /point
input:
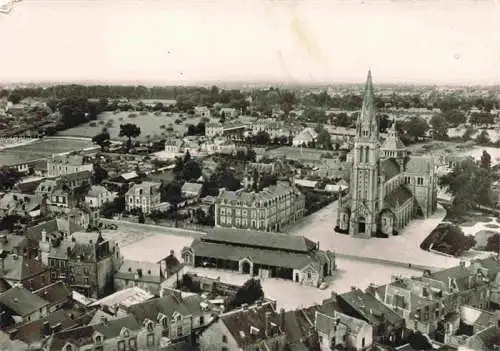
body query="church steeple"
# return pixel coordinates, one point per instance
(367, 126)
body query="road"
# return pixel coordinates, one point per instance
(403, 249)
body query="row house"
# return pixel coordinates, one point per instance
(67, 164)
(271, 126)
(115, 334)
(23, 270)
(425, 301)
(177, 316)
(250, 328)
(263, 254)
(145, 197)
(85, 261)
(271, 209)
(19, 305)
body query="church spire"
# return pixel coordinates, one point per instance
(367, 125)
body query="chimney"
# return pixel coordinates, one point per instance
(268, 323)
(46, 328)
(171, 252)
(317, 245)
(244, 306)
(282, 319)
(462, 264)
(104, 320)
(44, 235)
(353, 288)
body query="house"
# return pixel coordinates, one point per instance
(176, 315)
(388, 327)
(191, 191)
(61, 200)
(214, 128)
(263, 254)
(19, 204)
(271, 209)
(125, 297)
(98, 196)
(67, 164)
(21, 305)
(305, 138)
(341, 330)
(117, 334)
(249, 328)
(20, 269)
(14, 244)
(173, 147)
(57, 294)
(85, 261)
(144, 197)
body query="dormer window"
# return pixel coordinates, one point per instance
(68, 348)
(98, 339)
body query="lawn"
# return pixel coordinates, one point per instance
(151, 123)
(40, 149)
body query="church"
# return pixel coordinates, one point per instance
(388, 187)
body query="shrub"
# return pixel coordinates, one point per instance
(449, 239)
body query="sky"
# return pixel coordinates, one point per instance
(204, 41)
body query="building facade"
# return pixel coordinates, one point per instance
(387, 188)
(144, 197)
(271, 209)
(67, 164)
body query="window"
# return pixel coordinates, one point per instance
(363, 342)
(420, 181)
(68, 348)
(132, 344)
(222, 211)
(121, 345)
(223, 348)
(151, 340)
(224, 339)
(179, 330)
(202, 320)
(309, 275)
(99, 348)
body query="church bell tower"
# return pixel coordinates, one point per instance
(364, 175)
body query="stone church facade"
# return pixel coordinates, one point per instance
(388, 188)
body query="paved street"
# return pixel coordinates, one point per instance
(404, 248)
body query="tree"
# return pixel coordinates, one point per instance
(249, 293)
(141, 218)
(191, 170)
(130, 131)
(384, 123)
(417, 127)
(454, 117)
(262, 138)
(486, 160)
(483, 138)
(493, 243)
(187, 156)
(172, 193)
(15, 98)
(102, 139)
(342, 120)
(323, 139)
(8, 178)
(100, 174)
(439, 127)
(419, 341)
(114, 207)
(469, 184)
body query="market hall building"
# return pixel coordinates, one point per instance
(262, 254)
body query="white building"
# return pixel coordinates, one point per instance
(98, 196)
(305, 137)
(144, 196)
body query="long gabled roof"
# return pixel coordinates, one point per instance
(266, 240)
(397, 197)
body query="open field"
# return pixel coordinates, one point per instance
(149, 123)
(42, 148)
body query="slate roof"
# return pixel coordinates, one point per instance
(18, 268)
(32, 332)
(265, 240)
(257, 255)
(239, 323)
(325, 323)
(54, 293)
(10, 242)
(490, 337)
(167, 305)
(393, 143)
(266, 194)
(76, 176)
(363, 303)
(22, 301)
(397, 197)
(51, 227)
(298, 325)
(83, 335)
(389, 168)
(96, 190)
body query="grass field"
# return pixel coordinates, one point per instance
(150, 124)
(42, 148)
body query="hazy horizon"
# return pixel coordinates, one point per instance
(174, 42)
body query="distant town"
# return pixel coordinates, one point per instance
(216, 218)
